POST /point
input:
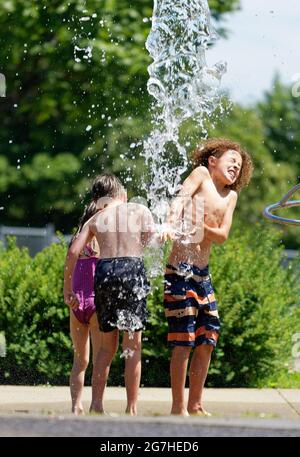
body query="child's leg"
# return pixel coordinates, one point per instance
(80, 340)
(198, 372)
(178, 369)
(106, 353)
(97, 341)
(132, 370)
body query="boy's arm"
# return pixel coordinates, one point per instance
(188, 189)
(72, 256)
(220, 234)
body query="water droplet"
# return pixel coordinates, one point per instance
(127, 353)
(2, 345)
(83, 53)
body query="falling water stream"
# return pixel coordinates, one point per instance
(184, 88)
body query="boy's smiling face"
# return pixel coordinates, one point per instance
(226, 168)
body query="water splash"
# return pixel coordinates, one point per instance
(127, 353)
(2, 345)
(180, 80)
(85, 53)
(2, 85)
(128, 321)
(183, 86)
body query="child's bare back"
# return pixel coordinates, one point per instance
(122, 230)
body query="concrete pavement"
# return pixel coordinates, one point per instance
(264, 403)
(45, 411)
(136, 427)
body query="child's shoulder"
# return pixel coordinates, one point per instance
(233, 193)
(199, 174)
(138, 207)
(135, 205)
(233, 196)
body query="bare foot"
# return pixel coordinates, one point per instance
(78, 410)
(179, 412)
(201, 412)
(131, 411)
(98, 412)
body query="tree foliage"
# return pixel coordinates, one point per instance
(280, 115)
(67, 115)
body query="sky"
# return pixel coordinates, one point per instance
(264, 39)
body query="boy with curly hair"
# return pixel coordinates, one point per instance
(221, 169)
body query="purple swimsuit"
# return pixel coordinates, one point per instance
(83, 286)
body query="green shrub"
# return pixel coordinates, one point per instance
(259, 308)
(258, 303)
(34, 316)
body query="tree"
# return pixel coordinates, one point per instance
(71, 112)
(220, 7)
(280, 115)
(271, 178)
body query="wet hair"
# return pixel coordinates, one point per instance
(217, 147)
(107, 185)
(89, 211)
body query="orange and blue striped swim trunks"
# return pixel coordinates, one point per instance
(190, 306)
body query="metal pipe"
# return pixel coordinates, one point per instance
(284, 203)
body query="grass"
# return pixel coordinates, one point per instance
(282, 380)
(254, 414)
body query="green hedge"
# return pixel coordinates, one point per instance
(34, 316)
(260, 310)
(258, 302)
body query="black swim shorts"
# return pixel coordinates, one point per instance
(121, 288)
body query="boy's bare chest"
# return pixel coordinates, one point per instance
(215, 205)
